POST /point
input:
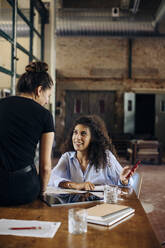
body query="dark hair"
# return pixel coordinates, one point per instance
(100, 140)
(36, 75)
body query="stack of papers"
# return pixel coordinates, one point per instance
(31, 228)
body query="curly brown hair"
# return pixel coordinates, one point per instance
(100, 140)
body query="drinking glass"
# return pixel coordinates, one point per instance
(77, 222)
(110, 194)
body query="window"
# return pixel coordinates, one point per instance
(77, 106)
(162, 106)
(129, 105)
(102, 106)
(17, 50)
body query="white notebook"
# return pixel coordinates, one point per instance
(108, 214)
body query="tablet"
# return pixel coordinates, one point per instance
(68, 199)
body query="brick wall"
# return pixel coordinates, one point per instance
(100, 63)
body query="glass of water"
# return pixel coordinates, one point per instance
(110, 194)
(77, 220)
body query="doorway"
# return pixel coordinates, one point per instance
(145, 114)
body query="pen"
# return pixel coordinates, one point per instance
(26, 228)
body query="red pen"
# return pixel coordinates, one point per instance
(133, 169)
(26, 228)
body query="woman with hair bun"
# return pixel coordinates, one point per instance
(88, 158)
(24, 121)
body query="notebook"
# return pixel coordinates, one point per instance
(101, 227)
(108, 214)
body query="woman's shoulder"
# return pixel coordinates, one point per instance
(109, 153)
(110, 157)
(68, 155)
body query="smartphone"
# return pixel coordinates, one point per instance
(133, 169)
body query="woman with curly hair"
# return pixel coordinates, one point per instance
(89, 158)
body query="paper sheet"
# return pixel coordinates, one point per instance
(57, 190)
(99, 187)
(48, 229)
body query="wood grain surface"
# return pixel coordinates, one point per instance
(135, 232)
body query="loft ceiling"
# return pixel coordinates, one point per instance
(143, 5)
(126, 18)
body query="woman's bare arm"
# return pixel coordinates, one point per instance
(45, 159)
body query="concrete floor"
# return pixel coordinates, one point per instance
(152, 197)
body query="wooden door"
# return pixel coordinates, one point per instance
(101, 103)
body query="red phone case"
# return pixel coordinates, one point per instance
(133, 169)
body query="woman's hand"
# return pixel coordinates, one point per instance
(78, 186)
(86, 186)
(123, 175)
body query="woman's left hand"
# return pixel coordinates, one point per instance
(124, 174)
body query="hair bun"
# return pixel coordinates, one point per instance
(37, 67)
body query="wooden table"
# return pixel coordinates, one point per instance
(135, 232)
